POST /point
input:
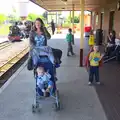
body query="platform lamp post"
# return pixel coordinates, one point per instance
(82, 6)
(73, 21)
(70, 20)
(73, 17)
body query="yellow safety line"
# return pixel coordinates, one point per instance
(12, 61)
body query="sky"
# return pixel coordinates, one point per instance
(9, 4)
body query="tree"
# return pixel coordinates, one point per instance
(76, 19)
(32, 17)
(11, 18)
(42, 17)
(2, 18)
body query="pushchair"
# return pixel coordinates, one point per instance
(48, 66)
(114, 54)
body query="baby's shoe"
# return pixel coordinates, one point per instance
(45, 94)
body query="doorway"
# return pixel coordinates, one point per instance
(111, 20)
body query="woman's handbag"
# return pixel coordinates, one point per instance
(30, 64)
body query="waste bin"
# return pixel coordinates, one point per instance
(87, 31)
(99, 36)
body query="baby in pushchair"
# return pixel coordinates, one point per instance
(44, 73)
(43, 81)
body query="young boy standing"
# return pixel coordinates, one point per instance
(94, 58)
(69, 39)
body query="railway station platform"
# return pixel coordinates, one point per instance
(79, 101)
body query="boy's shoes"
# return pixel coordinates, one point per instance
(60, 62)
(57, 61)
(89, 83)
(44, 94)
(73, 53)
(98, 83)
(56, 79)
(68, 55)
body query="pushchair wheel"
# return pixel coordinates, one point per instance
(36, 108)
(57, 94)
(33, 108)
(57, 106)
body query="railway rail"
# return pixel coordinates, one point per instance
(12, 61)
(4, 45)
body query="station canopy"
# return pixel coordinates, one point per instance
(66, 5)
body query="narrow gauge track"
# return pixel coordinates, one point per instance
(4, 45)
(8, 68)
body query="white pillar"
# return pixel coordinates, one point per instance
(23, 8)
(82, 6)
(73, 18)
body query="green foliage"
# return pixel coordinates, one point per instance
(66, 25)
(32, 17)
(76, 19)
(2, 18)
(69, 19)
(12, 18)
(4, 29)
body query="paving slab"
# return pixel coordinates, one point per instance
(79, 101)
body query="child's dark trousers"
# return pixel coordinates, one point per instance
(94, 72)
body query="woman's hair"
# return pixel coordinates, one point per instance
(113, 33)
(42, 25)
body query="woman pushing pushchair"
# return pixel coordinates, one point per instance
(45, 76)
(44, 60)
(39, 36)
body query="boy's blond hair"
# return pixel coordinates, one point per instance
(96, 47)
(40, 69)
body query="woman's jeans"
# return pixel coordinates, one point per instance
(94, 72)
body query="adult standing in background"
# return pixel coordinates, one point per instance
(53, 27)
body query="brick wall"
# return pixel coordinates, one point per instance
(105, 25)
(117, 23)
